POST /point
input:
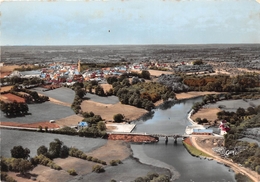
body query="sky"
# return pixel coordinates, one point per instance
(116, 22)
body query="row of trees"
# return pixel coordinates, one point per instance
(18, 80)
(14, 109)
(152, 176)
(79, 94)
(32, 96)
(222, 83)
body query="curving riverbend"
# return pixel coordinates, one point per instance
(172, 119)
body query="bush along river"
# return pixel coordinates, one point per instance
(171, 118)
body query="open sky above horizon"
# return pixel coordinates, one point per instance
(114, 22)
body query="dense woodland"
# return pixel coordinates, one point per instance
(222, 83)
(239, 122)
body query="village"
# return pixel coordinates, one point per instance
(66, 73)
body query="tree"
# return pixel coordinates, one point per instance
(98, 169)
(35, 96)
(135, 80)
(146, 74)
(251, 111)
(101, 126)
(111, 80)
(3, 165)
(198, 120)
(42, 150)
(126, 82)
(55, 148)
(64, 151)
(99, 91)
(118, 118)
(21, 165)
(20, 152)
(81, 93)
(241, 111)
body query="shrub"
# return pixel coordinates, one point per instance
(89, 158)
(7, 178)
(74, 152)
(113, 163)
(40, 128)
(139, 179)
(55, 166)
(99, 161)
(94, 159)
(118, 118)
(198, 120)
(161, 178)
(119, 161)
(72, 172)
(103, 162)
(152, 175)
(98, 169)
(83, 156)
(43, 160)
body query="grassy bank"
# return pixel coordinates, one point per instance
(194, 151)
(242, 178)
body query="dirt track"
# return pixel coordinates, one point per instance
(196, 143)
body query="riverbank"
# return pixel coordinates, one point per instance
(192, 94)
(193, 150)
(206, 147)
(197, 142)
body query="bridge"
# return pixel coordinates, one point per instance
(156, 135)
(175, 137)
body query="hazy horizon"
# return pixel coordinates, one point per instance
(133, 45)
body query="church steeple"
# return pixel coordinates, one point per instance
(79, 65)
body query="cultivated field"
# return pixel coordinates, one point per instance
(107, 111)
(11, 98)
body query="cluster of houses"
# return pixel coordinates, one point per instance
(196, 129)
(224, 128)
(67, 73)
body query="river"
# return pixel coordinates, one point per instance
(172, 119)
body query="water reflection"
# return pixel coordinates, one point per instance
(167, 105)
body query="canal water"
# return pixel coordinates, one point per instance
(172, 119)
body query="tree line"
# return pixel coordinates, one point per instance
(222, 83)
(18, 80)
(14, 109)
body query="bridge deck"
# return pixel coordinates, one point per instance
(154, 135)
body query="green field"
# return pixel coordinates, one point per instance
(194, 151)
